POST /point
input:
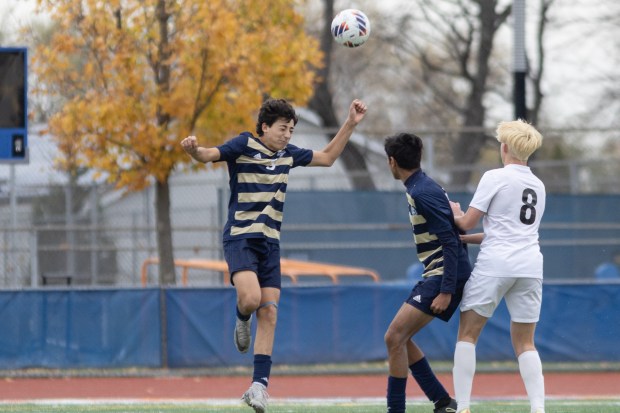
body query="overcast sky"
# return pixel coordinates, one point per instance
(577, 53)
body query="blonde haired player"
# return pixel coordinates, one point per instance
(511, 203)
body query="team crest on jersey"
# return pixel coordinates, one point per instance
(412, 210)
(257, 156)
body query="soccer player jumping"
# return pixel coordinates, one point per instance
(258, 168)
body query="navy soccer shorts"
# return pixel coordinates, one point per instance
(257, 255)
(425, 291)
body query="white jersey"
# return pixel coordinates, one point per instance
(513, 200)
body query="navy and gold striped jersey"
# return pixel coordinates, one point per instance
(258, 180)
(436, 236)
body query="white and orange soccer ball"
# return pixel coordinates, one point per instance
(351, 28)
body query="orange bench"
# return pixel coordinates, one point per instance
(293, 269)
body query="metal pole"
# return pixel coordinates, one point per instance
(94, 235)
(70, 223)
(14, 265)
(34, 258)
(519, 60)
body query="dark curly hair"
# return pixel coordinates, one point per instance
(273, 109)
(406, 149)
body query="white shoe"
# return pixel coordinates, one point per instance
(539, 411)
(256, 397)
(464, 411)
(243, 335)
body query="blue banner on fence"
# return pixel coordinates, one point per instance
(79, 328)
(343, 324)
(322, 324)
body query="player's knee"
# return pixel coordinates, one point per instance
(392, 339)
(521, 348)
(268, 311)
(248, 303)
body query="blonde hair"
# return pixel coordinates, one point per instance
(521, 138)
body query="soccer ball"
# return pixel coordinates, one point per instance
(351, 28)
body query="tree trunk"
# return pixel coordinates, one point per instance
(162, 194)
(322, 104)
(468, 146)
(167, 274)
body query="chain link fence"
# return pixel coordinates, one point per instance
(55, 233)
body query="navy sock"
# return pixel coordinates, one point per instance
(396, 397)
(427, 381)
(242, 317)
(262, 369)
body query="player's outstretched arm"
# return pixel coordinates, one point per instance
(465, 220)
(476, 238)
(199, 153)
(334, 148)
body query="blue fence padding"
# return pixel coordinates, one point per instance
(325, 324)
(321, 324)
(200, 327)
(331, 324)
(79, 328)
(580, 323)
(337, 323)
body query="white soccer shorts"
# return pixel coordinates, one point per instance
(523, 296)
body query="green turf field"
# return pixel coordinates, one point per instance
(572, 406)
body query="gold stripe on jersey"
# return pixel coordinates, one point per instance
(284, 160)
(254, 178)
(256, 161)
(424, 238)
(256, 228)
(247, 197)
(417, 219)
(257, 146)
(252, 215)
(414, 218)
(435, 261)
(424, 255)
(436, 271)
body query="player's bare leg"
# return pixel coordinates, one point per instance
(248, 301)
(266, 315)
(406, 323)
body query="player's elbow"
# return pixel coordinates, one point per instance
(323, 159)
(465, 222)
(329, 162)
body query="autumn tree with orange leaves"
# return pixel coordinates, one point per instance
(137, 76)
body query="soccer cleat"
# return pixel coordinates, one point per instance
(464, 411)
(449, 408)
(256, 397)
(539, 411)
(243, 335)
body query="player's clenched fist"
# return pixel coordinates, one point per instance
(357, 110)
(190, 145)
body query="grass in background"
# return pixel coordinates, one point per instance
(299, 406)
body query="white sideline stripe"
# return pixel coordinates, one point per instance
(568, 400)
(208, 402)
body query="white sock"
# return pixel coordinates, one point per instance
(463, 373)
(530, 367)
